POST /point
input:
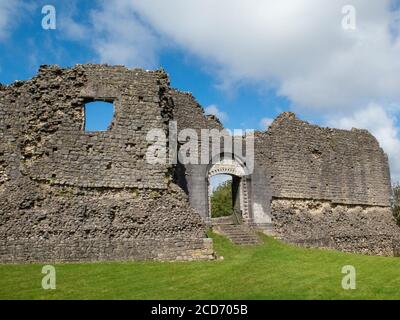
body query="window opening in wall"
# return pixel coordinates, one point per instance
(98, 115)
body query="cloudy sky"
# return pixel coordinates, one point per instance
(245, 61)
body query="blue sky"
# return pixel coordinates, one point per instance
(30, 45)
(245, 61)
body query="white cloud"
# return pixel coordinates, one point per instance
(115, 33)
(299, 48)
(213, 109)
(119, 37)
(10, 13)
(265, 123)
(382, 124)
(72, 29)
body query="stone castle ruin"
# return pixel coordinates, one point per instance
(71, 195)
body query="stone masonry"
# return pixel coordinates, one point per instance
(71, 195)
(330, 188)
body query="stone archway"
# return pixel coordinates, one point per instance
(240, 186)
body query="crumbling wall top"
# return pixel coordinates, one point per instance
(306, 161)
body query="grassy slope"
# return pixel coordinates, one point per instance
(271, 271)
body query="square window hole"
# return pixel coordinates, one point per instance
(98, 115)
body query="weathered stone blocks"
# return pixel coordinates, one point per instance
(313, 223)
(71, 195)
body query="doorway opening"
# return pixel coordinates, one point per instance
(225, 198)
(228, 191)
(221, 196)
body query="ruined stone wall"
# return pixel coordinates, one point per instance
(330, 187)
(71, 195)
(47, 119)
(63, 188)
(190, 115)
(3, 146)
(309, 162)
(350, 228)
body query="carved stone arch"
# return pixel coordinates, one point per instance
(235, 167)
(229, 161)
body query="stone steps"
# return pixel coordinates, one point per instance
(222, 220)
(238, 234)
(266, 228)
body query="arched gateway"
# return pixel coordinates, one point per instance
(240, 186)
(251, 191)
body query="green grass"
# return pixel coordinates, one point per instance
(273, 270)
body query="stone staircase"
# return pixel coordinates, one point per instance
(222, 220)
(266, 228)
(239, 234)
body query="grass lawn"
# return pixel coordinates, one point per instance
(273, 270)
